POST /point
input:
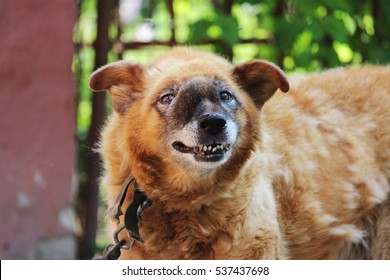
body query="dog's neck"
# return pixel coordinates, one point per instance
(207, 224)
(200, 226)
(180, 189)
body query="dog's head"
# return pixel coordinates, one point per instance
(192, 108)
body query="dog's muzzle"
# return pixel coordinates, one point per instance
(212, 137)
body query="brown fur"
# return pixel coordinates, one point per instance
(307, 179)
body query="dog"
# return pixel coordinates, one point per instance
(239, 164)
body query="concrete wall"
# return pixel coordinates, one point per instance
(37, 129)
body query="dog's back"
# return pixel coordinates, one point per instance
(329, 144)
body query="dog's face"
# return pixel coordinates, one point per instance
(192, 108)
(201, 120)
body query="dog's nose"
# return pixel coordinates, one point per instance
(212, 124)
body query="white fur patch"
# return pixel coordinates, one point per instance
(262, 208)
(379, 188)
(327, 219)
(351, 194)
(349, 232)
(188, 135)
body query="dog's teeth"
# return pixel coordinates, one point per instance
(211, 148)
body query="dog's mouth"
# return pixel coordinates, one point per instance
(214, 152)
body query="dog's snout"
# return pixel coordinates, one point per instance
(212, 124)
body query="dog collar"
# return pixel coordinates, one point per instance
(134, 212)
(132, 219)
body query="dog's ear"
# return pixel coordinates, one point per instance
(123, 79)
(260, 79)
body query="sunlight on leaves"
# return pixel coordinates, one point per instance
(344, 52)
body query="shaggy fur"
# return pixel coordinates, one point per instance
(307, 176)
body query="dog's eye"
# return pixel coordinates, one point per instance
(167, 98)
(225, 95)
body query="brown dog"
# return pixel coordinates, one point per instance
(235, 174)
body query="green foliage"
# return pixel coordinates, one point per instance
(329, 33)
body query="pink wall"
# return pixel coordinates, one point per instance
(37, 129)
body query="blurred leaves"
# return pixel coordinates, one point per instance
(204, 30)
